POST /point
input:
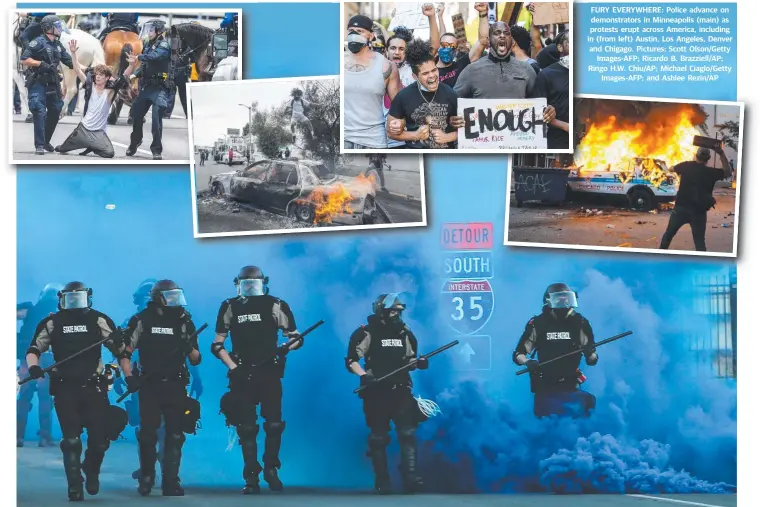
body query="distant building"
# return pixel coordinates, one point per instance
(715, 346)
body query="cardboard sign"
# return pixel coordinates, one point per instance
(551, 13)
(458, 22)
(507, 124)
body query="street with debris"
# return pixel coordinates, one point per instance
(175, 138)
(606, 225)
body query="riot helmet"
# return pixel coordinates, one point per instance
(141, 296)
(75, 296)
(560, 298)
(53, 24)
(152, 29)
(389, 307)
(168, 294)
(251, 281)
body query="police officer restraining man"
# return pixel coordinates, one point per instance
(43, 55)
(386, 343)
(253, 319)
(559, 329)
(163, 333)
(126, 21)
(78, 386)
(156, 81)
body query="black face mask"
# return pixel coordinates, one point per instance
(356, 42)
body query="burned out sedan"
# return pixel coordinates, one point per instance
(303, 189)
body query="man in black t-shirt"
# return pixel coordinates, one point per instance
(420, 113)
(553, 82)
(694, 197)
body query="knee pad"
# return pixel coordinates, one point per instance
(147, 437)
(174, 439)
(71, 444)
(378, 441)
(407, 434)
(274, 428)
(248, 431)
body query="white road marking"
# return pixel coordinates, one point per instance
(125, 146)
(673, 500)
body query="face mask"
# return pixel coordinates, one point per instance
(422, 87)
(446, 55)
(356, 42)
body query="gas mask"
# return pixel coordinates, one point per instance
(356, 42)
(446, 55)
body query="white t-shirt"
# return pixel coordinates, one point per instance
(97, 110)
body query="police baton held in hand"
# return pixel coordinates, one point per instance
(291, 342)
(72, 356)
(569, 354)
(147, 375)
(409, 365)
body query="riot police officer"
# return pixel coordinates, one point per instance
(386, 343)
(32, 30)
(43, 55)
(126, 21)
(156, 80)
(559, 329)
(253, 319)
(78, 386)
(47, 303)
(164, 335)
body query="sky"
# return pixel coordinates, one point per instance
(216, 107)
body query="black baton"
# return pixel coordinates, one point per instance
(583, 349)
(411, 363)
(292, 341)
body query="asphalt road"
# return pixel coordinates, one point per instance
(175, 139)
(569, 224)
(41, 481)
(400, 204)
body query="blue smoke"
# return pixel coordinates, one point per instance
(659, 424)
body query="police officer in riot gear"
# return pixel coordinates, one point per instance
(164, 335)
(32, 30)
(126, 21)
(43, 56)
(253, 319)
(78, 386)
(156, 80)
(47, 303)
(386, 343)
(559, 329)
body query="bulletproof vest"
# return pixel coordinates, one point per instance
(254, 331)
(153, 67)
(73, 331)
(160, 343)
(555, 337)
(387, 350)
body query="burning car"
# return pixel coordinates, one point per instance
(303, 189)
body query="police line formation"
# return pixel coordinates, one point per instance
(165, 337)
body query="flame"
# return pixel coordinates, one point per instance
(623, 145)
(331, 202)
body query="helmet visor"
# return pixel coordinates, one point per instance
(251, 287)
(398, 301)
(174, 297)
(565, 299)
(74, 300)
(149, 30)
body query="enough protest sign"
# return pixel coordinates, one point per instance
(506, 124)
(550, 13)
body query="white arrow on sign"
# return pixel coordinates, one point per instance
(467, 352)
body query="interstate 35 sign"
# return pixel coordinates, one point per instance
(467, 304)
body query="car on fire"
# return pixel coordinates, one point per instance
(641, 182)
(301, 189)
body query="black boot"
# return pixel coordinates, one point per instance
(49, 147)
(93, 459)
(72, 465)
(377, 444)
(132, 149)
(272, 444)
(170, 484)
(251, 469)
(408, 467)
(147, 453)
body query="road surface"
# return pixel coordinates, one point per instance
(175, 139)
(400, 204)
(41, 481)
(569, 224)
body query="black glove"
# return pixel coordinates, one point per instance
(531, 364)
(423, 363)
(283, 350)
(36, 372)
(133, 383)
(238, 373)
(186, 347)
(367, 380)
(46, 68)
